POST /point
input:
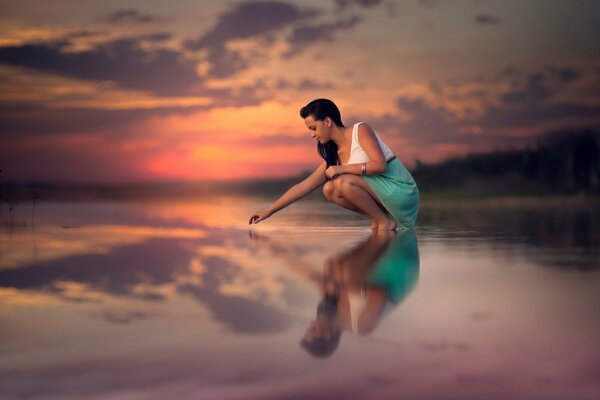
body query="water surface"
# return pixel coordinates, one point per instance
(180, 299)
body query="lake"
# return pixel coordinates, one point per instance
(183, 300)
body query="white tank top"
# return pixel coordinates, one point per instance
(357, 302)
(358, 155)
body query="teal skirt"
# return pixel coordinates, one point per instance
(398, 192)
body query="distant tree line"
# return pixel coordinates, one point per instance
(563, 162)
(566, 162)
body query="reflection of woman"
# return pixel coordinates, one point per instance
(360, 287)
(359, 172)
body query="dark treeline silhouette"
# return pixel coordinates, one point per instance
(564, 162)
(15, 192)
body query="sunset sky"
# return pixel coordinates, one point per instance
(120, 91)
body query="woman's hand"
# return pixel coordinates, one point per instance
(259, 216)
(333, 171)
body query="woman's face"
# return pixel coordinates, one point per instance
(319, 130)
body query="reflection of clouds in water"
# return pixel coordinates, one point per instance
(255, 275)
(142, 270)
(154, 261)
(162, 349)
(475, 380)
(88, 327)
(53, 243)
(243, 314)
(480, 316)
(294, 295)
(443, 346)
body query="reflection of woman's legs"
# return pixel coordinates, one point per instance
(353, 193)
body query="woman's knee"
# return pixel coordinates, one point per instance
(342, 183)
(328, 190)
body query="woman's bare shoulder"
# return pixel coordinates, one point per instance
(365, 129)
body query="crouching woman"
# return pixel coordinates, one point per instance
(359, 172)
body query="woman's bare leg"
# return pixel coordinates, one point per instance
(331, 194)
(358, 196)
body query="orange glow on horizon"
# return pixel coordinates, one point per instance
(222, 163)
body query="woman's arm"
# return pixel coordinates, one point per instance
(371, 314)
(377, 163)
(299, 190)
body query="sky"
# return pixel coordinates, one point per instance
(125, 91)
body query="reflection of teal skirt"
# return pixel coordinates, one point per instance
(398, 268)
(398, 192)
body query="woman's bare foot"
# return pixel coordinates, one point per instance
(388, 225)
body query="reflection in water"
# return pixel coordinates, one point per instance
(152, 271)
(156, 301)
(551, 233)
(360, 286)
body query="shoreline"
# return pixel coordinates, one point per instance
(429, 199)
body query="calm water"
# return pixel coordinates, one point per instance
(180, 300)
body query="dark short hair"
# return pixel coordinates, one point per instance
(321, 108)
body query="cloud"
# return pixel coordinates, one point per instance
(428, 3)
(130, 15)
(84, 160)
(342, 4)
(486, 19)
(541, 85)
(535, 90)
(428, 128)
(510, 70)
(281, 139)
(31, 120)
(244, 21)
(304, 84)
(248, 20)
(309, 34)
(532, 106)
(531, 115)
(84, 33)
(309, 84)
(427, 123)
(225, 63)
(156, 37)
(563, 74)
(262, 21)
(123, 61)
(120, 317)
(246, 95)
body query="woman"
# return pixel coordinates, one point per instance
(359, 172)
